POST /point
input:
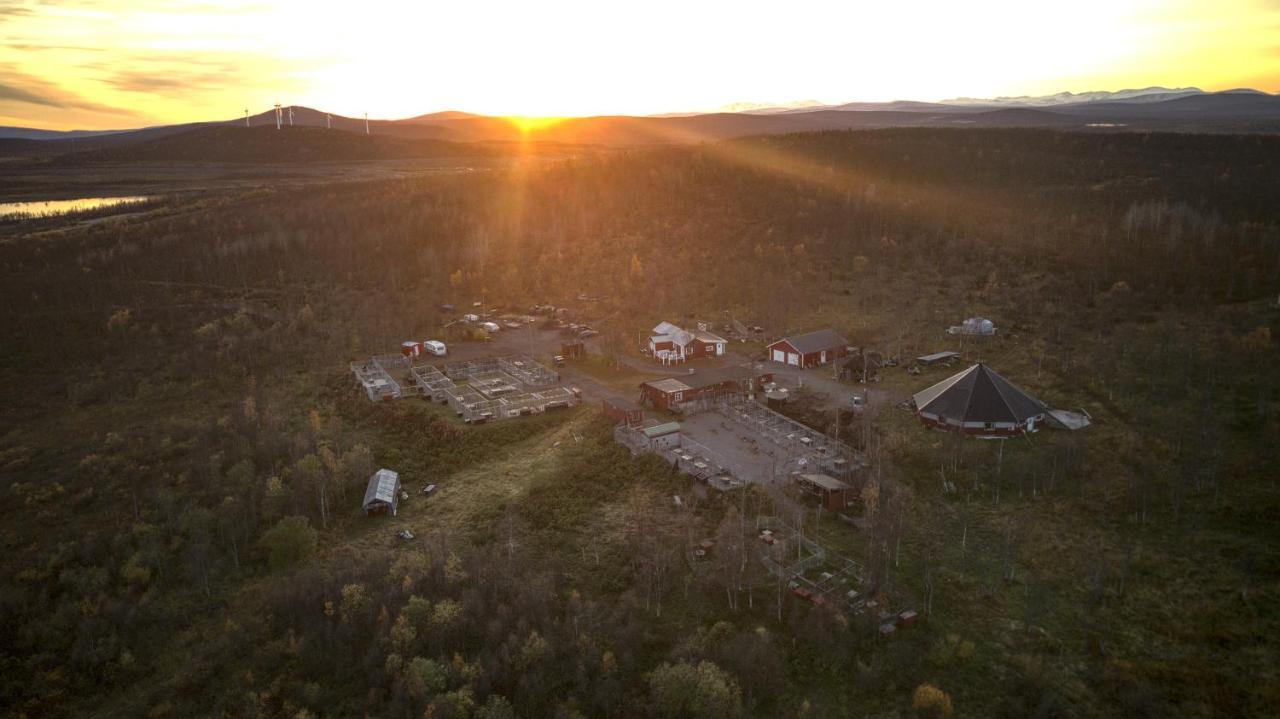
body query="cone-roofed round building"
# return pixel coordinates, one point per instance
(979, 401)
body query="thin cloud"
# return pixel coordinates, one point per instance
(14, 9)
(19, 88)
(9, 93)
(164, 75)
(40, 47)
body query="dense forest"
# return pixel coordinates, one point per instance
(182, 454)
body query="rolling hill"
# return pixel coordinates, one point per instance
(1150, 109)
(264, 144)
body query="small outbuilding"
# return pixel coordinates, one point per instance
(937, 358)
(671, 393)
(662, 436)
(834, 494)
(382, 496)
(978, 401)
(810, 349)
(622, 411)
(861, 365)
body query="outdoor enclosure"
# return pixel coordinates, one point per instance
(803, 448)
(478, 390)
(375, 380)
(495, 388)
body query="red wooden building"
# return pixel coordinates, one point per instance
(670, 393)
(670, 344)
(810, 349)
(623, 411)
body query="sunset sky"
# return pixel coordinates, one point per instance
(126, 63)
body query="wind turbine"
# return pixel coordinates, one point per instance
(246, 117)
(366, 123)
(277, 116)
(291, 116)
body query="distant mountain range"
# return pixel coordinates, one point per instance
(1147, 109)
(1146, 94)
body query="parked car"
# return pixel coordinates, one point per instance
(471, 318)
(587, 334)
(559, 360)
(429, 489)
(447, 308)
(405, 534)
(491, 327)
(435, 347)
(512, 325)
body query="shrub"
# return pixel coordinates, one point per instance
(291, 540)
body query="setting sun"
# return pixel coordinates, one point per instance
(528, 124)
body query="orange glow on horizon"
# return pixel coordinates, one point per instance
(531, 124)
(93, 65)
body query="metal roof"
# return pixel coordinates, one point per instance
(665, 328)
(622, 403)
(815, 341)
(668, 384)
(936, 356)
(831, 484)
(659, 430)
(705, 378)
(978, 394)
(382, 487)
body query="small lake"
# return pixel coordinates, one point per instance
(51, 208)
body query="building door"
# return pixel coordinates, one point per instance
(822, 358)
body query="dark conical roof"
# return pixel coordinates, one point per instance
(978, 394)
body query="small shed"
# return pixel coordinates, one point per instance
(937, 358)
(383, 493)
(861, 365)
(662, 436)
(623, 411)
(810, 349)
(834, 494)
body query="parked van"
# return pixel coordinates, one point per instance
(435, 347)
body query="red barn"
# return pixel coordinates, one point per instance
(810, 349)
(672, 393)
